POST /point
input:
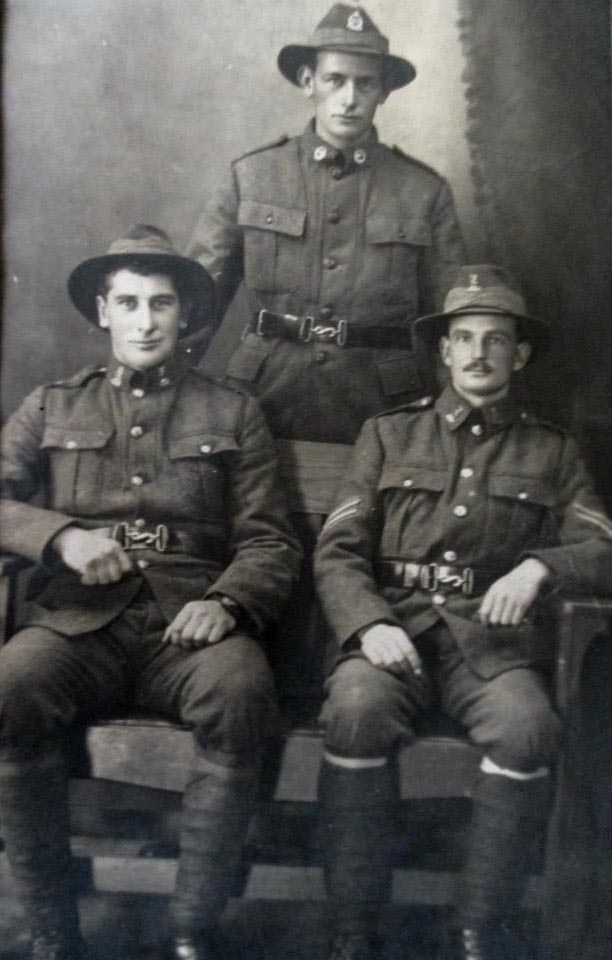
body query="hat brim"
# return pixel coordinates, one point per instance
(430, 328)
(191, 277)
(398, 72)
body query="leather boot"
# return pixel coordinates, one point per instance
(491, 941)
(507, 815)
(201, 947)
(355, 946)
(36, 832)
(358, 810)
(217, 807)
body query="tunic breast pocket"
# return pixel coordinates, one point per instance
(76, 467)
(394, 246)
(520, 508)
(199, 469)
(410, 494)
(272, 246)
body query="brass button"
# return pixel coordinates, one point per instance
(336, 173)
(329, 263)
(205, 448)
(476, 430)
(334, 217)
(466, 472)
(269, 218)
(460, 510)
(140, 523)
(326, 312)
(439, 599)
(71, 444)
(450, 556)
(320, 357)
(164, 381)
(407, 483)
(138, 392)
(136, 431)
(137, 480)
(142, 564)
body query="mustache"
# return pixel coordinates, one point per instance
(477, 366)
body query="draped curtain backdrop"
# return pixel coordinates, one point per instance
(537, 83)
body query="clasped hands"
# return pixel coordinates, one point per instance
(98, 559)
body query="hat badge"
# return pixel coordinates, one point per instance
(474, 286)
(355, 21)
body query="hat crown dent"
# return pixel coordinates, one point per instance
(143, 239)
(485, 285)
(349, 26)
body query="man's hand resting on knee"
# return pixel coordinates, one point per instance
(388, 646)
(199, 624)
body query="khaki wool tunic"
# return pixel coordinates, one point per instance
(367, 236)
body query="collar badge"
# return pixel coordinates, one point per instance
(355, 21)
(359, 156)
(320, 153)
(474, 286)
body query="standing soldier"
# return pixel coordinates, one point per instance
(450, 523)
(165, 550)
(341, 242)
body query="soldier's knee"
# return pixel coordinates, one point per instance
(242, 715)
(356, 714)
(527, 739)
(24, 679)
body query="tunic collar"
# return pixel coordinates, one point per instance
(455, 411)
(155, 379)
(318, 151)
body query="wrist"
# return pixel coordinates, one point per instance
(228, 603)
(537, 569)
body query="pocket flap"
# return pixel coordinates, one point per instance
(70, 438)
(269, 216)
(412, 478)
(200, 445)
(399, 230)
(526, 489)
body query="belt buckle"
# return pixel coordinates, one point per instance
(429, 576)
(307, 328)
(341, 333)
(131, 537)
(261, 321)
(467, 587)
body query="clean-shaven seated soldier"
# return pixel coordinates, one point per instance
(451, 523)
(166, 550)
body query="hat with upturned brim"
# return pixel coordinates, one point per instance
(144, 245)
(485, 289)
(347, 30)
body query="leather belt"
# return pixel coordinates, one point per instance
(433, 576)
(167, 539)
(287, 326)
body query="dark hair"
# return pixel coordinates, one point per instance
(144, 268)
